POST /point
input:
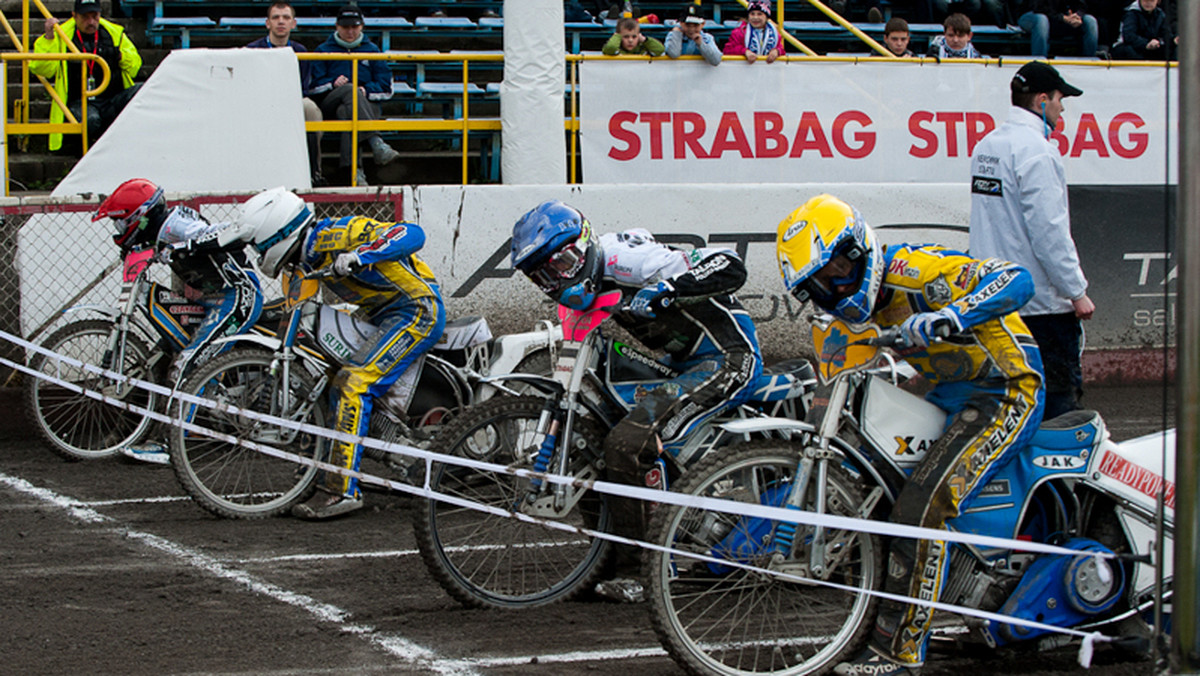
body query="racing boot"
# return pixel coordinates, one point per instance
(153, 452)
(871, 663)
(326, 505)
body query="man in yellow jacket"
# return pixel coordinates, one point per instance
(91, 35)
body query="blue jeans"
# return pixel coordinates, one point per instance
(1041, 28)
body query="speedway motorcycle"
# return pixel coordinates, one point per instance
(288, 374)
(1072, 487)
(479, 541)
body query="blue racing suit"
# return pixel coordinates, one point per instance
(707, 335)
(211, 259)
(396, 291)
(988, 377)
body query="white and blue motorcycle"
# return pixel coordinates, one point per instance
(1072, 487)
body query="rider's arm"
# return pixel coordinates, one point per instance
(719, 272)
(386, 241)
(995, 288)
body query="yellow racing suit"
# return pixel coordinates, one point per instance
(396, 291)
(988, 378)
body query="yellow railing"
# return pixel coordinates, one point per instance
(355, 125)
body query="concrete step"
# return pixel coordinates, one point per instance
(36, 170)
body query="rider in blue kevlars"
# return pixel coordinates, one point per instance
(375, 267)
(209, 258)
(680, 302)
(987, 376)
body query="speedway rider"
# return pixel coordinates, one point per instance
(987, 375)
(209, 258)
(678, 301)
(375, 267)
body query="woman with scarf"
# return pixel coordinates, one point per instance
(757, 35)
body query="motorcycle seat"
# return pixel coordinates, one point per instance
(1069, 431)
(463, 333)
(785, 380)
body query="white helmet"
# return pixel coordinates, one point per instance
(275, 221)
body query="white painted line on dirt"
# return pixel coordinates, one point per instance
(397, 552)
(563, 658)
(404, 649)
(132, 501)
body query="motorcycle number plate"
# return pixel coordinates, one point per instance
(900, 424)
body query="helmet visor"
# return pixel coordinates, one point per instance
(837, 279)
(561, 266)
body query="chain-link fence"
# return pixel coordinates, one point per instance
(53, 257)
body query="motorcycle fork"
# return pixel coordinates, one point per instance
(114, 356)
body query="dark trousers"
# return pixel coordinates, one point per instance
(1060, 339)
(102, 112)
(337, 106)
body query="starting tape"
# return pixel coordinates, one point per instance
(807, 518)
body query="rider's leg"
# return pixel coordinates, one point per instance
(986, 423)
(403, 337)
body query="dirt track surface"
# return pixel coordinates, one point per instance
(105, 568)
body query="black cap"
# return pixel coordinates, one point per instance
(692, 14)
(349, 15)
(85, 6)
(1038, 77)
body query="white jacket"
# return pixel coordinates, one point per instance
(1019, 211)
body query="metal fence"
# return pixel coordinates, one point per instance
(53, 257)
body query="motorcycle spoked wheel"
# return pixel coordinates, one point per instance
(234, 481)
(721, 620)
(78, 427)
(487, 560)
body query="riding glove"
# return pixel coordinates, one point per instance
(344, 264)
(923, 328)
(650, 300)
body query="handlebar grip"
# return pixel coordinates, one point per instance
(942, 328)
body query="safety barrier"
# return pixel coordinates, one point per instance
(740, 509)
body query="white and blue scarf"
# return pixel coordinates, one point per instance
(761, 41)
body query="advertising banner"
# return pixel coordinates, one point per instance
(666, 121)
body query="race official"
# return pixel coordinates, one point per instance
(1019, 213)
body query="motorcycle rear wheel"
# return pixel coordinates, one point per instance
(491, 560)
(731, 621)
(75, 426)
(230, 480)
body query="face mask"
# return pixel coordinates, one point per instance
(347, 45)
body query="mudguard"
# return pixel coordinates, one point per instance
(108, 311)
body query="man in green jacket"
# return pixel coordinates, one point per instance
(91, 35)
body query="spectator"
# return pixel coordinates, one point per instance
(688, 38)
(332, 86)
(955, 42)
(111, 44)
(757, 35)
(281, 21)
(1046, 19)
(895, 37)
(1019, 213)
(1145, 33)
(628, 39)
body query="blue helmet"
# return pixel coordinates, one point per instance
(554, 246)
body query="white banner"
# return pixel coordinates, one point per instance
(876, 121)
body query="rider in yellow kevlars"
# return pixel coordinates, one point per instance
(987, 375)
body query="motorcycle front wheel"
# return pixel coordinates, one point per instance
(231, 480)
(493, 559)
(719, 619)
(76, 426)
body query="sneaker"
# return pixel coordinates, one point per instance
(324, 505)
(152, 452)
(874, 15)
(360, 179)
(383, 153)
(621, 590)
(871, 663)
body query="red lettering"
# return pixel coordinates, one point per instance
(656, 121)
(730, 126)
(810, 136)
(687, 128)
(617, 130)
(768, 139)
(1088, 137)
(1057, 136)
(865, 139)
(978, 125)
(950, 121)
(1139, 140)
(915, 122)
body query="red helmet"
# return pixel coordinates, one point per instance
(130, 207)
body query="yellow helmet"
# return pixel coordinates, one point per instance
(816, 233)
